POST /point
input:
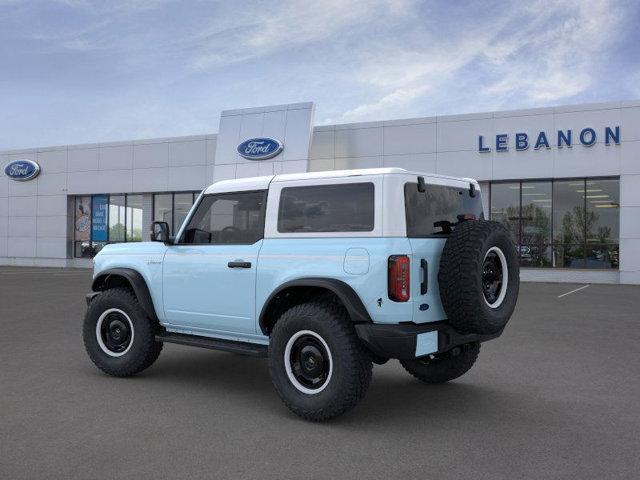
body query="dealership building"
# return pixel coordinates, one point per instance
(564, 180)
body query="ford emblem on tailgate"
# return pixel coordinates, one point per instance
(22, 170)
(260, 148)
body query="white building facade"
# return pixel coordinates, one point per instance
(565, 180)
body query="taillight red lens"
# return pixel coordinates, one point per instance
(399, 278)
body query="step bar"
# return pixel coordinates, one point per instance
(244, 348)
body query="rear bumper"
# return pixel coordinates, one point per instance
(408, 341)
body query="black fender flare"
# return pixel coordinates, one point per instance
(345, 293)
(134, 279)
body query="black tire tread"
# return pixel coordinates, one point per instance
(445, 368)
(145, 329)
(459, 274)
(352, 352)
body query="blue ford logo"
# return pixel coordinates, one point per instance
(22, 170)
(260, 148)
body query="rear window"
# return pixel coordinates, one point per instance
(438, 203)
(347, 207)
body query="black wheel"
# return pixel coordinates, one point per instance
(479, 277)
(118, 335)
(443, 367)
(317, 363)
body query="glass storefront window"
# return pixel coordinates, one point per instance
(134, 218)
(603, 211)
(163, 209)
(82, 227)
(569, 218)
(173, 208)
(602, 256)
(535, 249)
(568, 256)
(103, 219)
(603, 223)
(182, 203)
(564, 223)
(505, 207)
(117, 218)
(568, 212)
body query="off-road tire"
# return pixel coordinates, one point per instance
(351, 363)
(144, 348)
(444, 367)
(460, 277)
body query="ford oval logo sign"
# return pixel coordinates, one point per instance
(260, 148)
(22, 170)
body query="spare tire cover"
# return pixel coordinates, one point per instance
(479, 277)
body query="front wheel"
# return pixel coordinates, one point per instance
(118, 335)
(318, 365)
(443, 367)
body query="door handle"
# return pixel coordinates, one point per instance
(239, 264)
(424, 284)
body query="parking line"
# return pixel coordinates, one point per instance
(573, 291)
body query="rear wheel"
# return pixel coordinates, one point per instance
(318, 365)
(443, 367)
(118, 335)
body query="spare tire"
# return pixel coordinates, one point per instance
(479, 277)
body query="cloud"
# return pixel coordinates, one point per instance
(407, 76)
(397, 98)
(120, 69)
(555, 63)
(288, 24)
(541, 53)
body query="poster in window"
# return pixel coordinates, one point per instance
(99, 218)
(83, 219)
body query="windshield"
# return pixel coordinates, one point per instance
(427, 211)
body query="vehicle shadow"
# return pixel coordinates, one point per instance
(394, 397)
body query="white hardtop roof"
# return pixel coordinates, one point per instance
(262, 183)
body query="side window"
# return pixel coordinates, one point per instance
(347, 207)
(227, 219)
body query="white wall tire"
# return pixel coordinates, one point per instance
(290, 364)
(130, 354)
(504, 281)
(104, 344)
(325, 325)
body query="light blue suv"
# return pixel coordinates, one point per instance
(324, 273)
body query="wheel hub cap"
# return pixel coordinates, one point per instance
(115, 332)
(309, 362)
(312, 361)
(491, 277)
(495, 277)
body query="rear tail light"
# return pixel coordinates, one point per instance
(399, 278)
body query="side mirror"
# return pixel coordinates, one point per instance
(160, 232)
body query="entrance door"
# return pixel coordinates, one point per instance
(209, 276)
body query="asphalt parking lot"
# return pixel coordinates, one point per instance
(557, 396)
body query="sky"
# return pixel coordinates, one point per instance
(79, 71)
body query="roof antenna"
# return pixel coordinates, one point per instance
(472, 190)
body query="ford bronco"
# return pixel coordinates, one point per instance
(324, 273)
